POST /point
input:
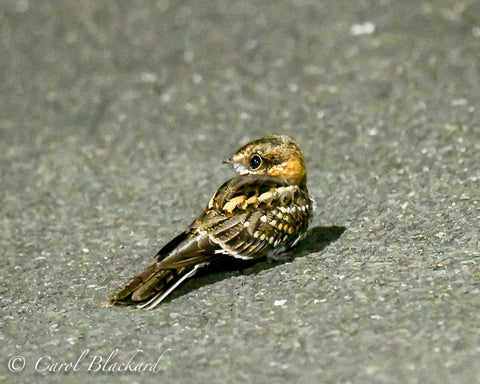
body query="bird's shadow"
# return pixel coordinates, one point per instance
(316, 240)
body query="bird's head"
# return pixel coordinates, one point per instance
(277, 156)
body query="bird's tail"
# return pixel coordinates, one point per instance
(150, 287)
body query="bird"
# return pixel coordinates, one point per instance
(265, 210)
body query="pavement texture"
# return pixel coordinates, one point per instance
(115, 117)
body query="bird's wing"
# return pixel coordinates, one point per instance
(246, 219)
(188, 248)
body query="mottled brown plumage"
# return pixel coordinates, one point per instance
(265, 210)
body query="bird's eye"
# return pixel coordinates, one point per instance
(255, 162)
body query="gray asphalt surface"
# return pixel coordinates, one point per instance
(114, 120)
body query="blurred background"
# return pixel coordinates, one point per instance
(115, 117)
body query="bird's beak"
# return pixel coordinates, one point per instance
(228, 161)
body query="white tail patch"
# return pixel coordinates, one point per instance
(159, 297)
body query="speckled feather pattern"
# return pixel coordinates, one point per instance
(265, 210)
